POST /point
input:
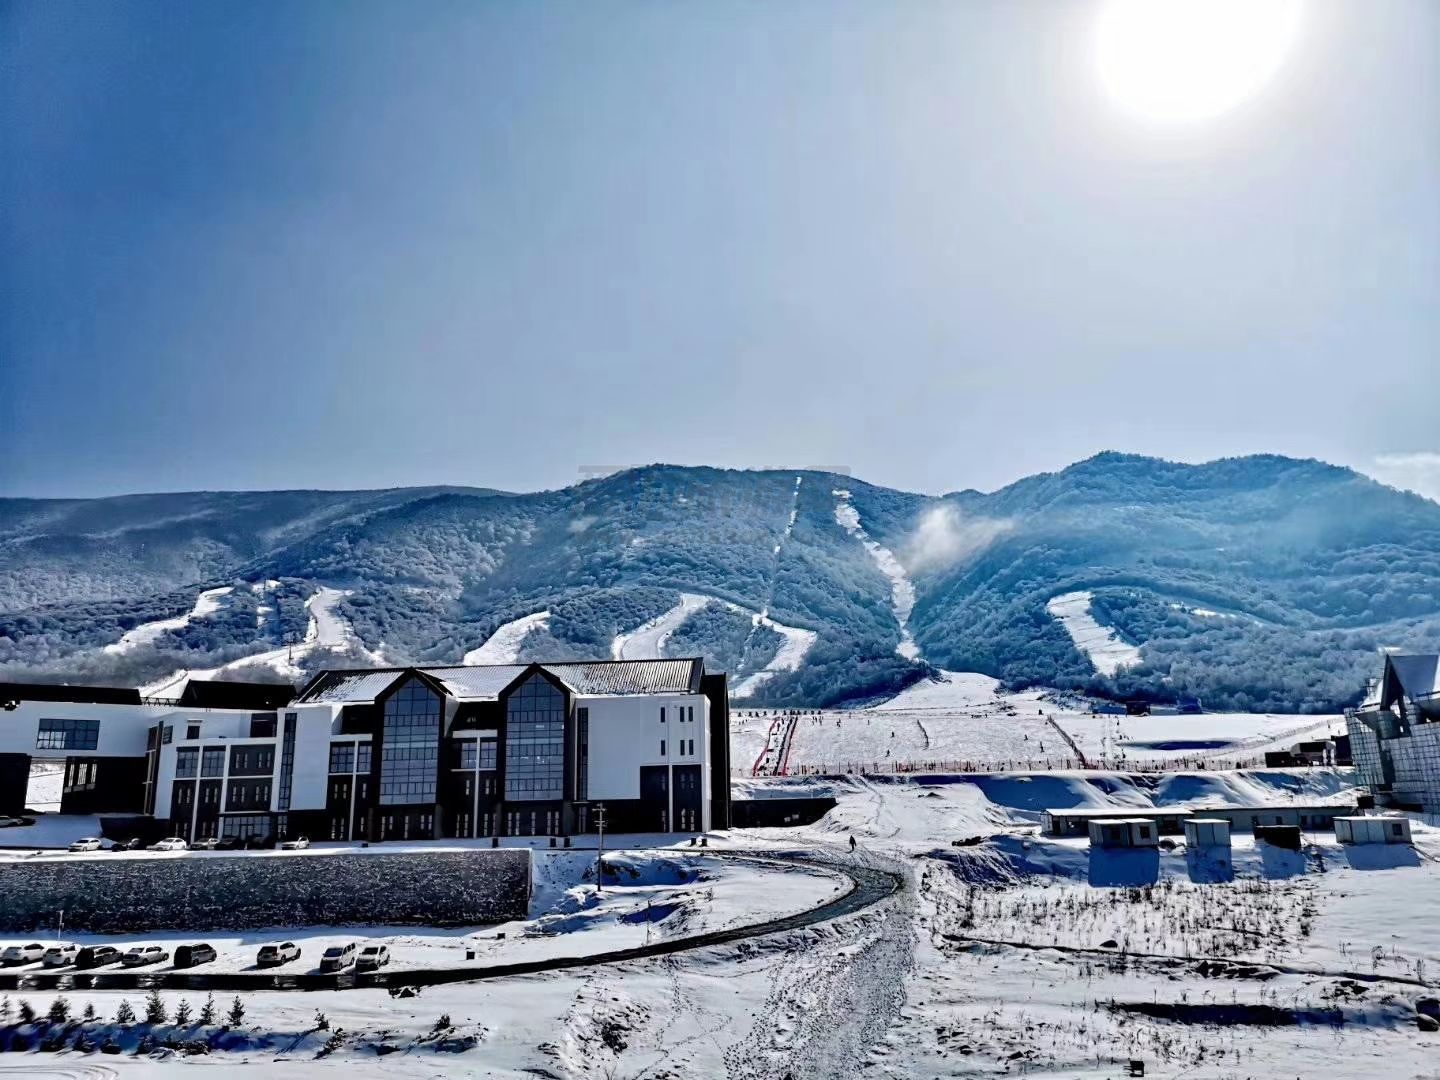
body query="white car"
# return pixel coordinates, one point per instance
(60, 955)
(86, 843)
(144, 954)
(296, 844)
(22, 954)
(174, 843)
(372, 957)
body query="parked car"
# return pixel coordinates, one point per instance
(372, 957)
(266, 841)
(296, 844)
(60, 955)
(141, 955)
(229, 843)
(191, 955)
(171, 843)
(338, 957)
(22, 954)
(133, 844)
(96, 955)
(274, 955)
(206, 843)
(86, 843)
(7, 822)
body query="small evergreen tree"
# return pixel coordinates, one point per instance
(155, 1012)
(59, 1010)
(236, 1016)
(322, 1022)
(124, 1014)
(182, 1014)
(207, 1011)
(89, 1013)
(6, 1009)
(27, 1012)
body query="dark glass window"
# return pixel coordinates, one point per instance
(212, 762)
(252, 760)
(489, 757)
(469, 754)
(68, 735)
(362, 757)
(287, 763)
(535, 741)
(582, 753)
(410, 747)
(187, 762)
(342, 757)
(247, 795)
(192, 731)
(262, 725)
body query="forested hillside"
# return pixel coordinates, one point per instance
(1260, 582)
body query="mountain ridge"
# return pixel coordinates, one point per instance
(1311, 561)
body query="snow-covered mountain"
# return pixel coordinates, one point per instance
(1259, 582)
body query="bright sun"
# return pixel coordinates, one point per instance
(1191, 59)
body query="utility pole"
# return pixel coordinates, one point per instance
(600, 848)
(60, 933)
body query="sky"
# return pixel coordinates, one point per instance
(361, 244)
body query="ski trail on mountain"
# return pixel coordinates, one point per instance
(902, 591)
(1102, 645)
(503, 646)
(327, 631)
(207, 603)
(647, 641)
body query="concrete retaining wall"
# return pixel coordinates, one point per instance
(117, 894)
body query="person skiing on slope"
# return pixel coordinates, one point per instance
(852, 843)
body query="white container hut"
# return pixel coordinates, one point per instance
(1124, 833)
(1207, 832)
(1372, 830)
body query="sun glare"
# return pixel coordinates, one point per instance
(1191, 59)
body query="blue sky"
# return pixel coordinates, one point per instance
(362, 244)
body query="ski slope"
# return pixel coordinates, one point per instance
(327, 632)
(648, 641)
(207, 603)
(503, 646)
(1101, 644)
(902, 592)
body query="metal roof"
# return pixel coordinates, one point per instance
(630, 676)
(476, 683)
(485, 682)
(1418, 676)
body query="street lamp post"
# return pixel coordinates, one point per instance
(600, 848)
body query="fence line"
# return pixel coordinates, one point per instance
(1067, 764)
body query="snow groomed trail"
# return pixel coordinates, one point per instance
(870, 883)
(902, 592)
(503, 646)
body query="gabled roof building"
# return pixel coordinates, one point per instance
(1395, 734)
(405, 753)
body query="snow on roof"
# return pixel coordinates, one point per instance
(484, 682)
(1124, 812)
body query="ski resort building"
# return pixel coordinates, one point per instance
(390, 753)
(1395, 734)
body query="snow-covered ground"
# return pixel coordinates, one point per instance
(207, 603)
(902, 592)
(791, 654)
(503, 646)
(1012, 954)
(327, 632)
(963, 718)
(1104, 647)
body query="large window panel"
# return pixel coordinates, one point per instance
(410, 751)
(535, 742)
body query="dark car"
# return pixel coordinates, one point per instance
(266, 841)
(133, 844)
(96, 956)
(191, 955)
(229, 843)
